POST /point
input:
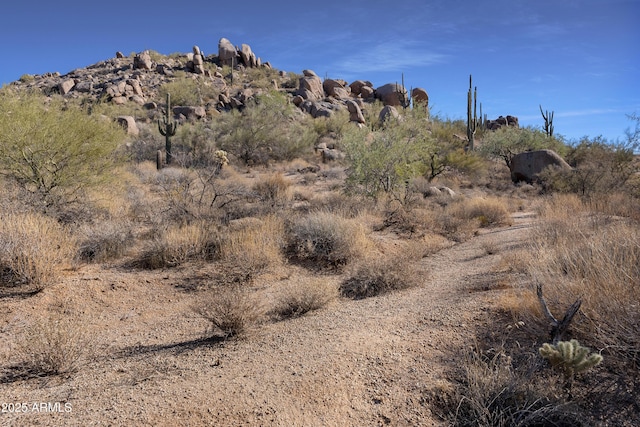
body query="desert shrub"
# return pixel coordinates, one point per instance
(145, 146)
(275, 190)
(493, 392)
(52, 346)
(265, 130)
(326, 239)
(175, 245)
(198, 193)
(385, 160)
(262, 77)
(231, 311)
(251, 249)
(302, 296)
(599, 167)
(378, 275)
(487, 211)
(34, 249)
(54, 151)
(187, 90)
(104, 241)
(506, 142)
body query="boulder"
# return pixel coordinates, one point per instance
(142, 61)
(226, 52)
(355, 113)
(388, 113)
(393, 94)
(129, 124)
(336, 88)
(198, 61)
(190, 112)
(331, 154)
(356, 87)
(367, 92)
(66, 86)
(248, 57)
(528, 165)
(311, 86)
(420, 96)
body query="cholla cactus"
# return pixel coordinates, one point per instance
(220, 159)
(570, 357)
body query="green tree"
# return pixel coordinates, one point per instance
(265, 130)
(386, 159)
(52, 149)
(599, 167)
(508, 141)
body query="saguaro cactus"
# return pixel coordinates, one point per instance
(472, 119)
(167, 129)
(548, 122)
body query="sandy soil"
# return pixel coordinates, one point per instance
(376, 361)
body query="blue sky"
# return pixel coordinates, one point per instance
(579, 58)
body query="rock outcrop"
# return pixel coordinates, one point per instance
(502, 121)
(393, 94)
(227, 54)
(138, 79)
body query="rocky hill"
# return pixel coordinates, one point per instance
(138, 79)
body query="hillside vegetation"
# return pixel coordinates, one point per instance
(266, 215)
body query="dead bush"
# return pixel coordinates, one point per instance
(104, 241)
(34, 249)
(382, 274)
(301, 297)
(53, 345)
(176, 245)
(231, 311)
(274, 190)
(492, 392)
(249, 249)
(487, 211)
(326, 239)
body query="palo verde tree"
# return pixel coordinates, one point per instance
(54, 150)
(508, 141)
(266, 129)
(383, 161)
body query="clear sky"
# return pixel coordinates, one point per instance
(579, 58)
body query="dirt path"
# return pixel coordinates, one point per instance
(353, 363)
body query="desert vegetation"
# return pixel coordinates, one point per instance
(252, 230)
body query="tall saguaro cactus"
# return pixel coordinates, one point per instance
(548, 122)
(167, 128)
(472, 117)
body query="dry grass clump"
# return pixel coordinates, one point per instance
(490, 211)
(231, 311)
(52, 346)
(248, 249)
(600, 264)
(34, 249)
(176, 245)
(382, 274)
(274, 190)
(303, 296)
(327, 239)
(104, 241)
(492, 392)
